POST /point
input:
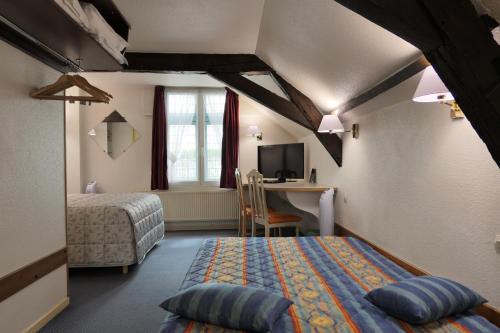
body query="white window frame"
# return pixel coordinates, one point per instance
(200, 135)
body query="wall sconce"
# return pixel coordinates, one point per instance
(92, 132)
(331, 124)
(255, 131)
(432, 90)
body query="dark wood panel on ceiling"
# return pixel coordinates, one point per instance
(196, 63)
(43, 30)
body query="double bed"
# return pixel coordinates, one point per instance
(112, 229)
(325, 277)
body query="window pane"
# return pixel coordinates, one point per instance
(214, 114)
(182, 136)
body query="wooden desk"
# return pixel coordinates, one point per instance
(304, 197)
(295, 187)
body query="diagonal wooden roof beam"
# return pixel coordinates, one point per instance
(412, 69)
(299, 109)
(331, 142)
(263, 96)
(460, 47)
(228, 68)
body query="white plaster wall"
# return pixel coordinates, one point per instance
(420, 185)
(272, 134)
(131, 171)
(133, 98)
(32, 201)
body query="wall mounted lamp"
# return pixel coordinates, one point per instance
(432, 90)
(92, 132)
(255, 131)
(331, 124)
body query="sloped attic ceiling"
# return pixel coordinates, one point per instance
(326, 51)
(193, 26)
(489, 7)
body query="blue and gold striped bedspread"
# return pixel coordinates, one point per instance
(325, 277)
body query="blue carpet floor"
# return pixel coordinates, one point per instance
(104, 300)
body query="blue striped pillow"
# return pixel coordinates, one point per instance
(229, 305)
(423, 299)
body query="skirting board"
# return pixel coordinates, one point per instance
(201, 225)
(43, 320)
(487, 311)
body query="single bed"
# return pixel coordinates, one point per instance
(112, 229)
(325, 277)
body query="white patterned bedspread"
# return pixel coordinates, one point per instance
(112, 229)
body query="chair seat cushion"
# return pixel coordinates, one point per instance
(275, 218)
(229, 305)
(248, 210)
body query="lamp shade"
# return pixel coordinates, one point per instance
(330, 124)
(431, 88)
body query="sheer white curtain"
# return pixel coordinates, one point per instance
(182, 136)
(214, 114)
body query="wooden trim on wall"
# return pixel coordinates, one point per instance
(344, 232)
(23, 277)
(51, 314)
(485, 310)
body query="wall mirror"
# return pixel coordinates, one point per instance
(114, 135)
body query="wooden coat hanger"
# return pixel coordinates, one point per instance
(67, 81)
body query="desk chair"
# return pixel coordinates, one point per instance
(245, 211)
(259, 212)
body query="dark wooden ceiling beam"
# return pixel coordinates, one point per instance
(395, 16)
(414, 68)
(458, 44)
(332, 142)
(263, 96)
(196, 63)
(300, 109)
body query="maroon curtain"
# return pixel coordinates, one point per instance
(230, 140)
(159, 179)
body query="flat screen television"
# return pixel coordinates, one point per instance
(281, 161)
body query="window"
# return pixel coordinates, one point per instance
(194, 118)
